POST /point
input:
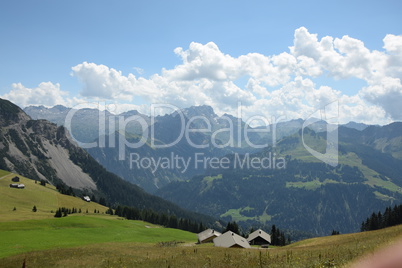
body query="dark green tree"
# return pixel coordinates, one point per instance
(233, 227)
(334, 232)
(109, 211)
(102, 201)
(58, 213)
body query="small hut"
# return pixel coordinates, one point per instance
(259, 237)
(207, 236)
(231, 240)
(17, 185)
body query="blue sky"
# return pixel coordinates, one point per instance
(42, 40)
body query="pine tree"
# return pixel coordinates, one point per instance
(200, 228)
(58, 213)
(173, 222)
(34, 209)
(334, 232)
(390, 217)
(109, 211)
(102, 201)
(288, 240)
(274, 235)
(233, 227)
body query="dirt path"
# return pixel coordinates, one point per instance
(4, 176)
(7, 175)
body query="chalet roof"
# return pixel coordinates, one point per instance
(230, 239)
(17, 185)
(207, 234)
(259, 233)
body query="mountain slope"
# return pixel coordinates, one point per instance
(39, 149)
(23, 230)
(45, 198)
(86, 124)
(222, 135)
(307, 194)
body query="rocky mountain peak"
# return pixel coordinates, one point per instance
(11, 113)
(202, 110)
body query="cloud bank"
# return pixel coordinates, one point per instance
(276, 85)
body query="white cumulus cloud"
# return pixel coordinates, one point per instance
(275, 85)
(46, 93)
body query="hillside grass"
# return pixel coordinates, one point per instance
(237, 215)
(22, 230)
(3, 173)
(331, 251)
(208, 182)
(78, 230)
(351, 159)
(46, 199)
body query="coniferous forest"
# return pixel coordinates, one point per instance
(390, 217)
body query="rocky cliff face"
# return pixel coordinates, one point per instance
(38, 149)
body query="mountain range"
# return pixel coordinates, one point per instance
(306, 194)
(41, 150)
(93, 125)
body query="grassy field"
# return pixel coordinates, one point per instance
(46, 199)
(106, 241)
(22, 230)
(77, 230)
(3, 173)
(100, 240)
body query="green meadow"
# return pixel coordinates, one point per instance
(131, 244)
(17, 204)
(77, 230)
(101, 240)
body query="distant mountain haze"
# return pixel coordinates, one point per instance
(306, 194)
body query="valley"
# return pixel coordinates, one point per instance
(279, 184)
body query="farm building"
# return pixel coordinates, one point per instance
(231, 240)
(207, 236)
(86, 198)
(15, 179)
(18, 186)
(259, 237)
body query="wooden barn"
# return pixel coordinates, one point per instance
(231, 240)
(207, 236)
(259, 237)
